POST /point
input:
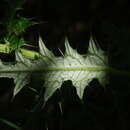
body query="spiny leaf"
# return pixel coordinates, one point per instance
(81, 70)
(14, 42)
(43, 50)
(19, 25)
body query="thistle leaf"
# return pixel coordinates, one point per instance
(81, 70)
(43, 50)
(69, 51)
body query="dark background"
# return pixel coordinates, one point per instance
(103, 109)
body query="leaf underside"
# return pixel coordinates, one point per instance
(81, 70)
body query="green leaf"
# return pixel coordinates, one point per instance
(19, 25)
(14, 42)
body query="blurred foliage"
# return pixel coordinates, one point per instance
(19, 25)
(13, 125)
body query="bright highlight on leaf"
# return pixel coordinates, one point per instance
(81, 70)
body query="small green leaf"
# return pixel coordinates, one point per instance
(19, 25)
(14, 42)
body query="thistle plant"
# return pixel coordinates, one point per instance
(81, 70)
(52, 70)
(55, 70)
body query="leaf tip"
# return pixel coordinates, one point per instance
(43, 49)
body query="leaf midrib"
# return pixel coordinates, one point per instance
(97, 68)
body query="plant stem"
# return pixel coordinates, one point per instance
(30, 54)
(4, 48)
